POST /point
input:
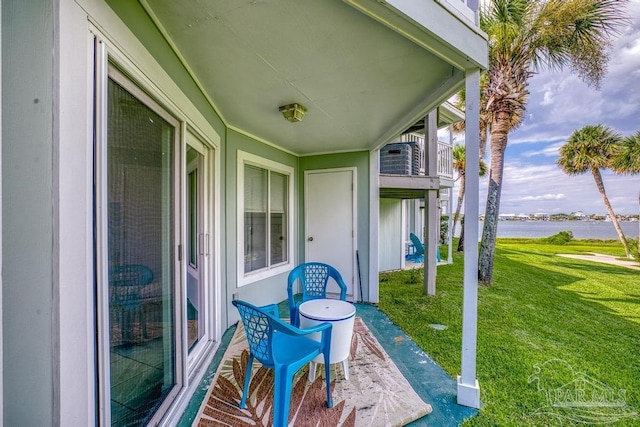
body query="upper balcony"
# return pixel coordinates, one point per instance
(402, 171)
(402, 163)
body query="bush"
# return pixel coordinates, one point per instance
(416, 275)
(633, 248)
(560, 238)
(444, 229)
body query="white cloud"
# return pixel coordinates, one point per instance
(558, 196)
(551, 150)
(560, 102)
(547, 100)
(529, 135)
(526, 189)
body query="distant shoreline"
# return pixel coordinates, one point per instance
(606, 221)
(599, 230)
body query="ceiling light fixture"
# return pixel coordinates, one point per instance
(293, 112)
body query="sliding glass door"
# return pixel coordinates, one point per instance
(155, 204)
(196, 245)
(142, 150)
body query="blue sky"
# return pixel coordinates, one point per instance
(560, 103)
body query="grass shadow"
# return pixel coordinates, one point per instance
(536, 310)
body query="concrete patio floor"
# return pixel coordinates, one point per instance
(428, 379)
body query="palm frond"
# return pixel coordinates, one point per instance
(627, 158)
(576, 34)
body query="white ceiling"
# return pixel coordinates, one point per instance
(360, 81)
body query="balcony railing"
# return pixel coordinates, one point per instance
(407, 157)
(445, 160)
(466, 8)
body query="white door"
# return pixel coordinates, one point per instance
(330, 231)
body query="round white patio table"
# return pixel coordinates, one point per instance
(341, 315)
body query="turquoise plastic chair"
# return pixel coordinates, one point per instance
(283, 348)
(125, 283)
(313, 277)
(418, 255)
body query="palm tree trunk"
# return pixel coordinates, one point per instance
(499, 133)
(484, 131)
(598, 178)
(459, 207)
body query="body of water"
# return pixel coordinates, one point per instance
(580, 229)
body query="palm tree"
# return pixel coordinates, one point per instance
(460, 165)
(627, 159)
(525, 36)
(592, 148)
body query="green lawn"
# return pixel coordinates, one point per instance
(541, 308)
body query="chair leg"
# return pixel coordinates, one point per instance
(143, 322)
(247, 378)
(295, 317)
(281, 400)
(327, 375)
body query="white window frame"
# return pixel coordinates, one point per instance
(245, 158)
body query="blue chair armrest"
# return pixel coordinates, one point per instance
(324, 329)
(292, 330)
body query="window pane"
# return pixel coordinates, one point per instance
(279, 203)
(255, 218)
(140, 155)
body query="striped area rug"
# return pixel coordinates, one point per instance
(376, 393)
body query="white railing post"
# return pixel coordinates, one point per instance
(474, 5)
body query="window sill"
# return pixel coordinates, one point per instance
(256, 276)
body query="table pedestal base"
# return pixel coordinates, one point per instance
(313, 365)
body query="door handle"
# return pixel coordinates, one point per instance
(310, 239)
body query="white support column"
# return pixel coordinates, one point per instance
(468, 387)
(1, 287)
(450, 237)
(431, 223)
(450, 209)
(374, 224)
(403, 232)
(417, 222)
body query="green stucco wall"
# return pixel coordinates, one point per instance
(137, 20)
(360, 160)
(272, 289)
